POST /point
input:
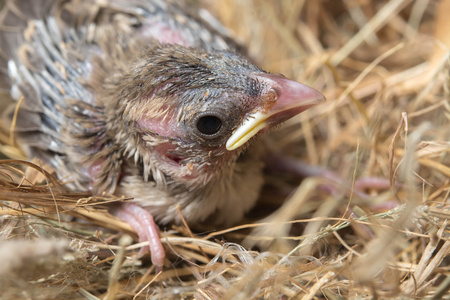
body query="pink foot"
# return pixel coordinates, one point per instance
(360, 185)
(142, 221)
(284, 164)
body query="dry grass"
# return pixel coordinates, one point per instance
(384, 69)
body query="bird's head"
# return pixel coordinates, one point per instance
(187, 114)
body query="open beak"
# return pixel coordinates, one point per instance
(288, 99)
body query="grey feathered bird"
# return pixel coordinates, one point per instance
(146, 99)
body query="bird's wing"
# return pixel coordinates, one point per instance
(37, 68)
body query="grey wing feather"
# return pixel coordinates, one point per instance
(33, 67)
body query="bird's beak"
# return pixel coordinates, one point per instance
(288, 98)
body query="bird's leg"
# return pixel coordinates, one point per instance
(283, 164)
(142, 221)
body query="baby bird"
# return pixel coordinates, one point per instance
(143, 98)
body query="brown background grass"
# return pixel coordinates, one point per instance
(382, 66)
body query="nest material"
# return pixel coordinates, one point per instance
(384, 68)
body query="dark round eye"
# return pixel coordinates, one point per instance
(209, 125)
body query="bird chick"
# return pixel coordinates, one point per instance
(144, 99)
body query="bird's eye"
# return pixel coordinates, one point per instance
(209, 125)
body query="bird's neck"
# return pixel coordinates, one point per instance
(220, 199)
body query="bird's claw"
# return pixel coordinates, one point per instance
(142, 221)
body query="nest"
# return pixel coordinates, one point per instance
(380, 231)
